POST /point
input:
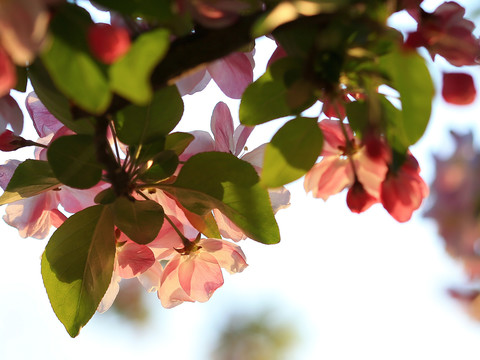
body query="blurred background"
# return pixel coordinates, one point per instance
(338, 286)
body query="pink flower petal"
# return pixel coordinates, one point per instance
(199, 276)
(133, 259)
(229, 256)
(43, 121)
(222, 128)
(171, 292)
(329, 177)
(232, 74)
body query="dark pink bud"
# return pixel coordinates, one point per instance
(458, 88)
(11, 142)
(107, 42)
(358, 200)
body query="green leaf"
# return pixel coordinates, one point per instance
(106, 196)
(57, 103)
(220, 180)
(409, 75)
(73, 70)
(74, 162)
(77, 266)
(142, 124)
(206, 224)
(178, 142)
(21, 79)
(139, 220)
(162, 166)
(32, 177)
(270, 97)
(130, 75)
(292, 152)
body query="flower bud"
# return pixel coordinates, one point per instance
(11, 142)
(358, 200)
(458, 88)
(107, 42)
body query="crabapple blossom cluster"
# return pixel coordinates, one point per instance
(128, 196)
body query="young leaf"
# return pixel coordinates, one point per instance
(410, 77)
(139, 220)
(32, 177)
(269, 97)
(77, 266)
(178, 142)
(130, 75)
(148, 9)
(292, 152)
(72, 68)
(220, 180)
(142, 124)
(74, 162)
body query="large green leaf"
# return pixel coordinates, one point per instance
(74, 162)
(73, 70)
(220, 180)
(32, 177)
(270, 97)
(130, 75)
(292, 152)
(139, 220)
(77, 265)
(178, 142)
(142, 124)
(409, 75)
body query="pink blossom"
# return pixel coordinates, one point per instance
(447, 33)
(335, 171)
(196, 275)
(232, 74)
(228, 139)
(403, 191)
(358, 200)
(23, 26)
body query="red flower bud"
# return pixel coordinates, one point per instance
(8, 74)
(358, 200)
(458, 88)
(107, 42)
(11, 142)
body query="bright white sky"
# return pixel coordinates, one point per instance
(355, 286)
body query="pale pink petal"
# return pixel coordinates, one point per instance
(255, 157)
(222, 128)
(32, 216)
(75, 200)
(329, 177)
(110, 295)
(194, 82)
(151, 278)
(43, 121)
(232, 74)
(10, 113)
(240, 137)
(6, 172)
(203, 142)
(280, 198)
(171, 293)
(227, 228)
(371, 173)
(334, 141)
(200, 275)
(229, 256)
(133, 259)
